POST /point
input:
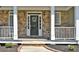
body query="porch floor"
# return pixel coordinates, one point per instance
(41, 41)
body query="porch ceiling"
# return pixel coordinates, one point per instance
(6, 7)
(34, 7)
(26, 7)
(63, 7)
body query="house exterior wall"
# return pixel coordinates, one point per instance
(21, 23)
(46, 23)
(22, 20)
(4, 17)
(67, 18)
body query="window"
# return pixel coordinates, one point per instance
(57, 18)
(11, 18)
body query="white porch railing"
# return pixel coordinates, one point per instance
(6, 32)
(65, 32)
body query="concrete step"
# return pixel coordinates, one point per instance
(32, 39)
(36, 42)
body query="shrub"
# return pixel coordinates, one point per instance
(8, 45)
(2, 44)
(71, 47)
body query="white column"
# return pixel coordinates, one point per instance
(15, 23)
(52, 23)
(77, 21)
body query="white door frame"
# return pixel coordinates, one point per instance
(28, 23)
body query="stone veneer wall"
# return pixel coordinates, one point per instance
(21, 23)
(22, 20)
(4, 17)
(46, 23)
(67, 18)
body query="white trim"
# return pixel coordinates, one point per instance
(64, 27)
(64, 38)
(28, 30)
(9, 18)
(39, 42)
(34, 12)
(52, 23)
(40, 30)
(59, 18)
(77, 21)
(9, 23)
(15, 23)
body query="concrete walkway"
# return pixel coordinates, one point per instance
(33, 48)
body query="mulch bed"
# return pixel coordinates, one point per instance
(12, 49)
(64, 48)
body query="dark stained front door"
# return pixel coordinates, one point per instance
(34, 24)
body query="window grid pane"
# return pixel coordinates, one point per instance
(57, 18)
(11, 18)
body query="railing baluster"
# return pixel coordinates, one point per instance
(65, 32)
(6, 32)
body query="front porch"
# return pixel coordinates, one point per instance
(40, 25)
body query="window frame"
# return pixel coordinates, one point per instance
(59, 18)
(10, 14)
